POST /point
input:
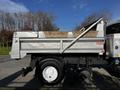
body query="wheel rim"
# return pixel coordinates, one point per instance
(50, 73)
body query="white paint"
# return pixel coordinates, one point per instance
(70, 34)
(41, 34)
(15, 51)
(100, 28)
(50, 73)
(25, 34)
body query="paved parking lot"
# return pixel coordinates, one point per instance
(10, 78)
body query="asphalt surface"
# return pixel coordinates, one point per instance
(10, 78)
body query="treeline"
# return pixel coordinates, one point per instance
(10, 22)
(27, 21)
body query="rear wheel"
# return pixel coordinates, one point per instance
(51, 71)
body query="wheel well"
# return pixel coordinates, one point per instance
(43, 58)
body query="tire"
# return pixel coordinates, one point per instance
(50, 71)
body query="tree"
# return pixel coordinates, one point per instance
(44, 21)
(93, 17)
(6, 37)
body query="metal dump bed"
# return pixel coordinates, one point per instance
(39, 42)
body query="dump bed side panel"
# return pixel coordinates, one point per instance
(48, 46)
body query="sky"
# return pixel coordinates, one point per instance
(68, 13)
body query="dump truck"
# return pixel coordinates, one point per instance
(54, 52)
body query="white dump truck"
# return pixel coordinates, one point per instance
(53, 52)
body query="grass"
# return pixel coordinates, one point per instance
(4, 50)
